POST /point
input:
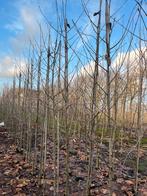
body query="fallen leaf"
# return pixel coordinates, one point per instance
(120, 180)
(129, 182)
(104, 191)
(22, 183)
(51, 188)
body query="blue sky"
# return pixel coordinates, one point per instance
(19, 24)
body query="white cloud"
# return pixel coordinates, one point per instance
(130, 58)
(9, 67)
(87, 69)
(121, 61)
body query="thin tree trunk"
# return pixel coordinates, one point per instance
(108, 59)
(37, 109)
(66, 106)
(94, 104)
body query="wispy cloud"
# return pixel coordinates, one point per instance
(15, 26)
(26, 26)
(23, 27)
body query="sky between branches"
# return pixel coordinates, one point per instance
(20, 19)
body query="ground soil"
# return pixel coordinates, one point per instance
(18, 178)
